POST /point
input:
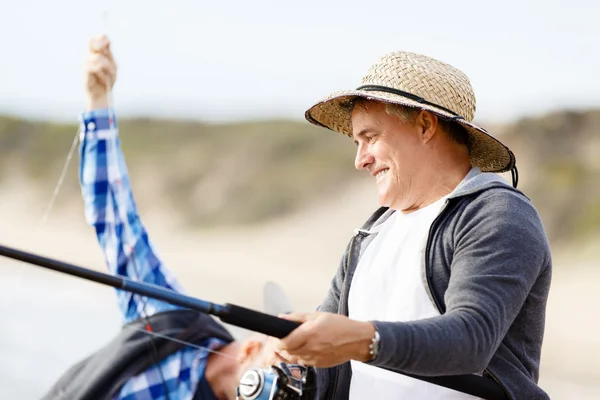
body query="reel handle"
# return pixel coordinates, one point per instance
(257, 321)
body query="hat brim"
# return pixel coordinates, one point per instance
(487, 152)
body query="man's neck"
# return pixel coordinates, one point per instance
(438, 184)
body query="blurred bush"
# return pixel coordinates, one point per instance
(211, 174)
(240, 173)
(559, 155)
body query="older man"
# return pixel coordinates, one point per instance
(451, 275)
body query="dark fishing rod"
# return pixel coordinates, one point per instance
(229, 313)
(239, 316)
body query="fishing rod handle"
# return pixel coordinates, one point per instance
(257, 321)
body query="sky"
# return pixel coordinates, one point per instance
(230, 60)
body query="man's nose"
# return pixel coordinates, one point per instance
(363, 157)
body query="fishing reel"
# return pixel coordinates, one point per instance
(282, 382)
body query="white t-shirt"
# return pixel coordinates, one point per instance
(388, 285)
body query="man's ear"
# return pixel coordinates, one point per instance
(428, 122)
(249, 349)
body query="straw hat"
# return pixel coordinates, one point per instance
(417, 81)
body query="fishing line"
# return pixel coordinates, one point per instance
(143, 299)
(59, 185)
(170, 338)
(185, 343)
(61, 178)
(67, 162)
(144, 315)
(131, 255)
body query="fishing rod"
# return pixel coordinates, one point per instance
(285, 381)
(280, 382)
(229, 313)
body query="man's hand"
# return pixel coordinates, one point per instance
(272, 356)
(325, 340)
(99, 73)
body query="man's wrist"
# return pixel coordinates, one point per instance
(96, 103)
(374, 346)
(367, 333)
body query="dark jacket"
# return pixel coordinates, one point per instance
(488, 268)
(102, 374)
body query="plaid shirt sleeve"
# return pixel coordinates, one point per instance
(110, 208)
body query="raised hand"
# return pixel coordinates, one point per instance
(99, 73)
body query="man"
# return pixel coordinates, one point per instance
(451, 275)
(136, 364)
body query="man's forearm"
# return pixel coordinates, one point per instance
(435, 346)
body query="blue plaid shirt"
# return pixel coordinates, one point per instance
(110, 208)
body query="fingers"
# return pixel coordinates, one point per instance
(101, 68)
(299, 336)
(99, 49)
(286, 357)
(272, 357)
(98, 44)
(295, 316)
(100, 63)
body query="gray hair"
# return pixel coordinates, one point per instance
(407, 114)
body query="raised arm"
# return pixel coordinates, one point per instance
(108, 199)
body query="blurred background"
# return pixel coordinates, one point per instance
(236, 189)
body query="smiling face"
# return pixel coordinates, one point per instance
(394, 150)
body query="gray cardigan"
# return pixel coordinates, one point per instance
(487, 267)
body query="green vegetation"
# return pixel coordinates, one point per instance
(211, 174)
(562, 154)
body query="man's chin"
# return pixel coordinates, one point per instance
(384, 200)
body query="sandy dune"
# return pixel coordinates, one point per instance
(50, 320)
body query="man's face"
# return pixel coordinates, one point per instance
(390, 150)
